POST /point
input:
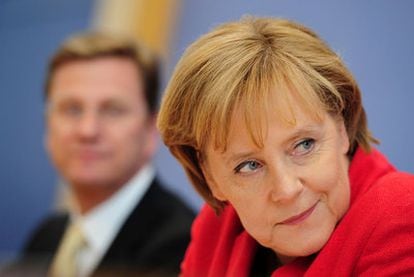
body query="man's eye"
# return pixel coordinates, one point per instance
(113, 111)
(70, 110)
(247, 166)
(304, 147)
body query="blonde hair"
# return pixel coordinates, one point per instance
(93, 45)
(241, 63)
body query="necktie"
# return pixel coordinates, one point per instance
(65, 263)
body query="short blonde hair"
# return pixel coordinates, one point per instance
(92, 45)
(241, 63)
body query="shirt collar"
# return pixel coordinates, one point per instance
(101, 224)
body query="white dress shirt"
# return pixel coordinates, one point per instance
(102, 224)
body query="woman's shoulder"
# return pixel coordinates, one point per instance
(390, 203)
(375, 237)
(387, 200)
(391, 188)
(215, 239)
(401, 178)
(214, 224)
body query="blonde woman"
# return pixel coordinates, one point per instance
(269, 126)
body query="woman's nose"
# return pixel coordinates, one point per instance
(285, 184)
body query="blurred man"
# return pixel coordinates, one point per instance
(101, 98)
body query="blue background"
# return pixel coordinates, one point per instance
(375, 38)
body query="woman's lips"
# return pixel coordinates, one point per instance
(296, 219)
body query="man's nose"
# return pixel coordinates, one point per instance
(89, 125)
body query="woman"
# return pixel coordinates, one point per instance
(269, 126)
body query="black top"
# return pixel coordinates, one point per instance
(264, 263)
(151, 242)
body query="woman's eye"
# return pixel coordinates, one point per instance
(304, 147)
(247, 166)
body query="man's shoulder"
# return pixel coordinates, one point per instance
(155, 234)
(55, 219)
(47, 233)
(160, 199)
(161, 212)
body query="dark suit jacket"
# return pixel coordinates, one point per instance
(151, 242)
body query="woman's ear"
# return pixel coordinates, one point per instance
(214, 187)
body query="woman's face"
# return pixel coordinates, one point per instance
(290, 193)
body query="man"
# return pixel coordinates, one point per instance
(101, 99)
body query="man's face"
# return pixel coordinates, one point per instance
(99, 131)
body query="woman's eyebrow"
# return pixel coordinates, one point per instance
(232, 156)
(237, 156)
(305, 130)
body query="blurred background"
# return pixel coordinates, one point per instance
(375, 38)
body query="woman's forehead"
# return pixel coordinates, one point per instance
(263, 96)
(252, 119)
(283, 103)
(244, 142)
(286, 109)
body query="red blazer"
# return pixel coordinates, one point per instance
(374, 238)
